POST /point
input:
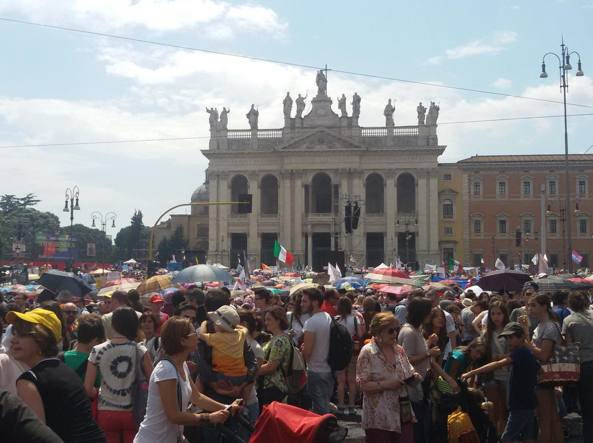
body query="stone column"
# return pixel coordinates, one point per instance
(390, 216)
(433, 227)
(359, 235)
(214, 218)
(422, 210)
(253, 240)
(224, 212)
(297, 217)
(284, 207)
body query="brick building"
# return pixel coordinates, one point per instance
(504, 197)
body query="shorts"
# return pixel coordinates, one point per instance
(520, 426)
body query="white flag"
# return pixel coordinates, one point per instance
(338, 271)
(482, 260)
(331, 272)
(534, 259)
(543, 265)
(499, 264)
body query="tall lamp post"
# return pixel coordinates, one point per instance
(104, 219)
(564, 66)
(72, 196)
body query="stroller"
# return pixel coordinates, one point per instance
(286, 424)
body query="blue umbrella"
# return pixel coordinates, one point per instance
(354, 282)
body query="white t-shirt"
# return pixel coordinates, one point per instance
(319, 324)
(156, 427)
(450, 327)
(10, 370)
(349, 323)
(117, 364)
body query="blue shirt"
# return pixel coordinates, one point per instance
(523, 380)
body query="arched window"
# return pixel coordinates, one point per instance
(321, 193)
(374, 197)
(269, 195)
(239, 186)
(447, 208)
(406, 194)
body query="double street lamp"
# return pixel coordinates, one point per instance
(104, 219)
(564, 66)
(72, 198)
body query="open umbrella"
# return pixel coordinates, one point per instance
(203, 273)
(503, 280)
(301, 286)
(125, 287)
(554, 283)
(399, 291)
(130, 262)
(56, 281)
(154, 284)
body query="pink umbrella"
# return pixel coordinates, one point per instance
(396, 290)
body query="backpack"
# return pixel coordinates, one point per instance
(460, 428)
(341, 346)
(297, 371)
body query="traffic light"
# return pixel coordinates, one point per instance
(355, 215)
(348, 218)
(245, 206)
(517, 238)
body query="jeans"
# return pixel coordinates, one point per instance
(119, 426)
(320, 387)
(520, 426)
(586, 400)
(423, 415)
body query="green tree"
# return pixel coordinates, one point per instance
(131, 241)
(174, 245)
(164, 251)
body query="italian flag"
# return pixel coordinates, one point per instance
(282, 254)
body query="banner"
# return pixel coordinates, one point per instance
(56, 247)
(91, 250)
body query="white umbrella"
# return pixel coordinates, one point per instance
(130, 262)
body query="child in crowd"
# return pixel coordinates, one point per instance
(227, 342)
(521, 424)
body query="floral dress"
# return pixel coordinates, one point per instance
(278, 349)
(381, 410)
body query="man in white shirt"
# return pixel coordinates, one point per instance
(316, 333)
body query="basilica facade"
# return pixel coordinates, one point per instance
(301, 177)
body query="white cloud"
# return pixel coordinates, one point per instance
(154, 15)
(502, 83)
(477, 47)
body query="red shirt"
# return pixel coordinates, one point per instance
(329, 308)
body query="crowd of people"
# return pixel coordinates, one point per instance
(169, 370)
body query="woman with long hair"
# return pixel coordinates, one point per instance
(354, 323)
(497, 349)
(545, 337)
(118, 361)
(149, 324)
(297, 318)
(171, 389)
(384, 372)
(435, 331)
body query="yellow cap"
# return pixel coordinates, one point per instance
(41, 317)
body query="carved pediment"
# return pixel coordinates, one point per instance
(321, 140)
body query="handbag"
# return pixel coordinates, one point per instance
(139, 390)
(405, 410)
(563, 367)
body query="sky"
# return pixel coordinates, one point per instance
(63, 87)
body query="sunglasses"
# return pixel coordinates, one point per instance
(392, 331)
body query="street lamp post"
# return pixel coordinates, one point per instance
(564, 66)
(104, 219)
(72, 196)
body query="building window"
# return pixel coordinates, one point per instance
(502, 226)
(502, 188)
(585, 261)
(553, 260)
(505, 259)
(552, 187)
(582, 226)
(477, 260)
(527, 226)
(582, 186)
(448, 231)
(477, 189)
(553, 226)
(477, 226)
(527, 258)
(448, 255)
(526, 188)
(447, 177)
(447, 209)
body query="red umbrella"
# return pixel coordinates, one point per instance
(390, 272)
(396, 290)
(119, 281)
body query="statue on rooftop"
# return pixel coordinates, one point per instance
(388, 113)
(433, 114)
(224, 118)
(287, 105)
(356, 105)
(213, 120)
(342, 106)
(321, 81)
(421, 110)
(300, 106)
(252, 117)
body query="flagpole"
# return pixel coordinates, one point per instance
(543, 220)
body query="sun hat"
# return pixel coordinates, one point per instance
(512, 328)
(467, 302)
(225, 317)
(41, 317)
